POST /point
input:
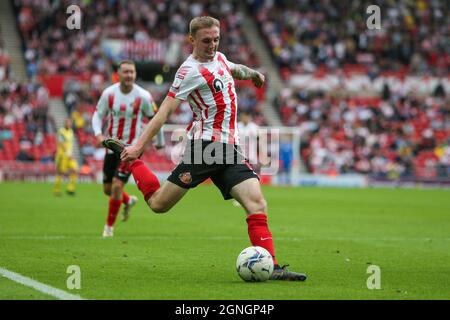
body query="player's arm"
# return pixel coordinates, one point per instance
(101, 110)
(241, 72)
(168, 106)
(97, 127)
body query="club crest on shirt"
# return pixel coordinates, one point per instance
(185, 177)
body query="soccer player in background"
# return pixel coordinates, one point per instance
(286, 157)
(205, 80)
(249, 134)
(64, 160)
(124, 104)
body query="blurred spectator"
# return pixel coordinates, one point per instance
(5, 60)
(23, 154)
(85, 169)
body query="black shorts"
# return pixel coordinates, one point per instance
(113, 167)
(223, 163)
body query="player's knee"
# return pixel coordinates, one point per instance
(262, 205)
(258, 205)
(158, 207)
(116, 192)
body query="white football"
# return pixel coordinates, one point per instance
(254, 264)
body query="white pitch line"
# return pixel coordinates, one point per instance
(57, 293)
(220, 238)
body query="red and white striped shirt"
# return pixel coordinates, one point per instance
(210, 90)
(125, 111)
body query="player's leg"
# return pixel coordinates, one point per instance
(59, 176)
(110, 165)
(73, 176)
(238, 180)
(57, 186)
(248, 193)
(159, 199)
(250, 196)
(241, 182)
(126, 199)
(166, 197)
(123, 173)
(115, 202)
(107, 188)
(147, 182)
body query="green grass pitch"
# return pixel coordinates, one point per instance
(333, 235)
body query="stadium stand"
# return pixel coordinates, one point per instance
(27, 140)
(389, 134)
(398, 136)
(56, 49)
(326, 36)
(27, 131)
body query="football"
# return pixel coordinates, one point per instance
(254, 264)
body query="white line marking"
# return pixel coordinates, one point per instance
(57, 293)
(220, 238)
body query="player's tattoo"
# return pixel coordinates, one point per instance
(241, 72)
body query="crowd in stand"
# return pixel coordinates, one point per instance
(25, 125)
(306, 36)
(388, 137)
(52, 48)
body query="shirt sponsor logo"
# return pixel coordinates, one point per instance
(218, 85)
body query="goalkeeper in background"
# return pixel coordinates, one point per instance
(64, 160)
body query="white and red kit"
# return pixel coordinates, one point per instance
(124, 112)
(210, 90)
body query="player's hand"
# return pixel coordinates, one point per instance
(130, 153)
(258, 79)
(100, 138)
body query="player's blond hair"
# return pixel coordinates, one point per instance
(201, 23)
